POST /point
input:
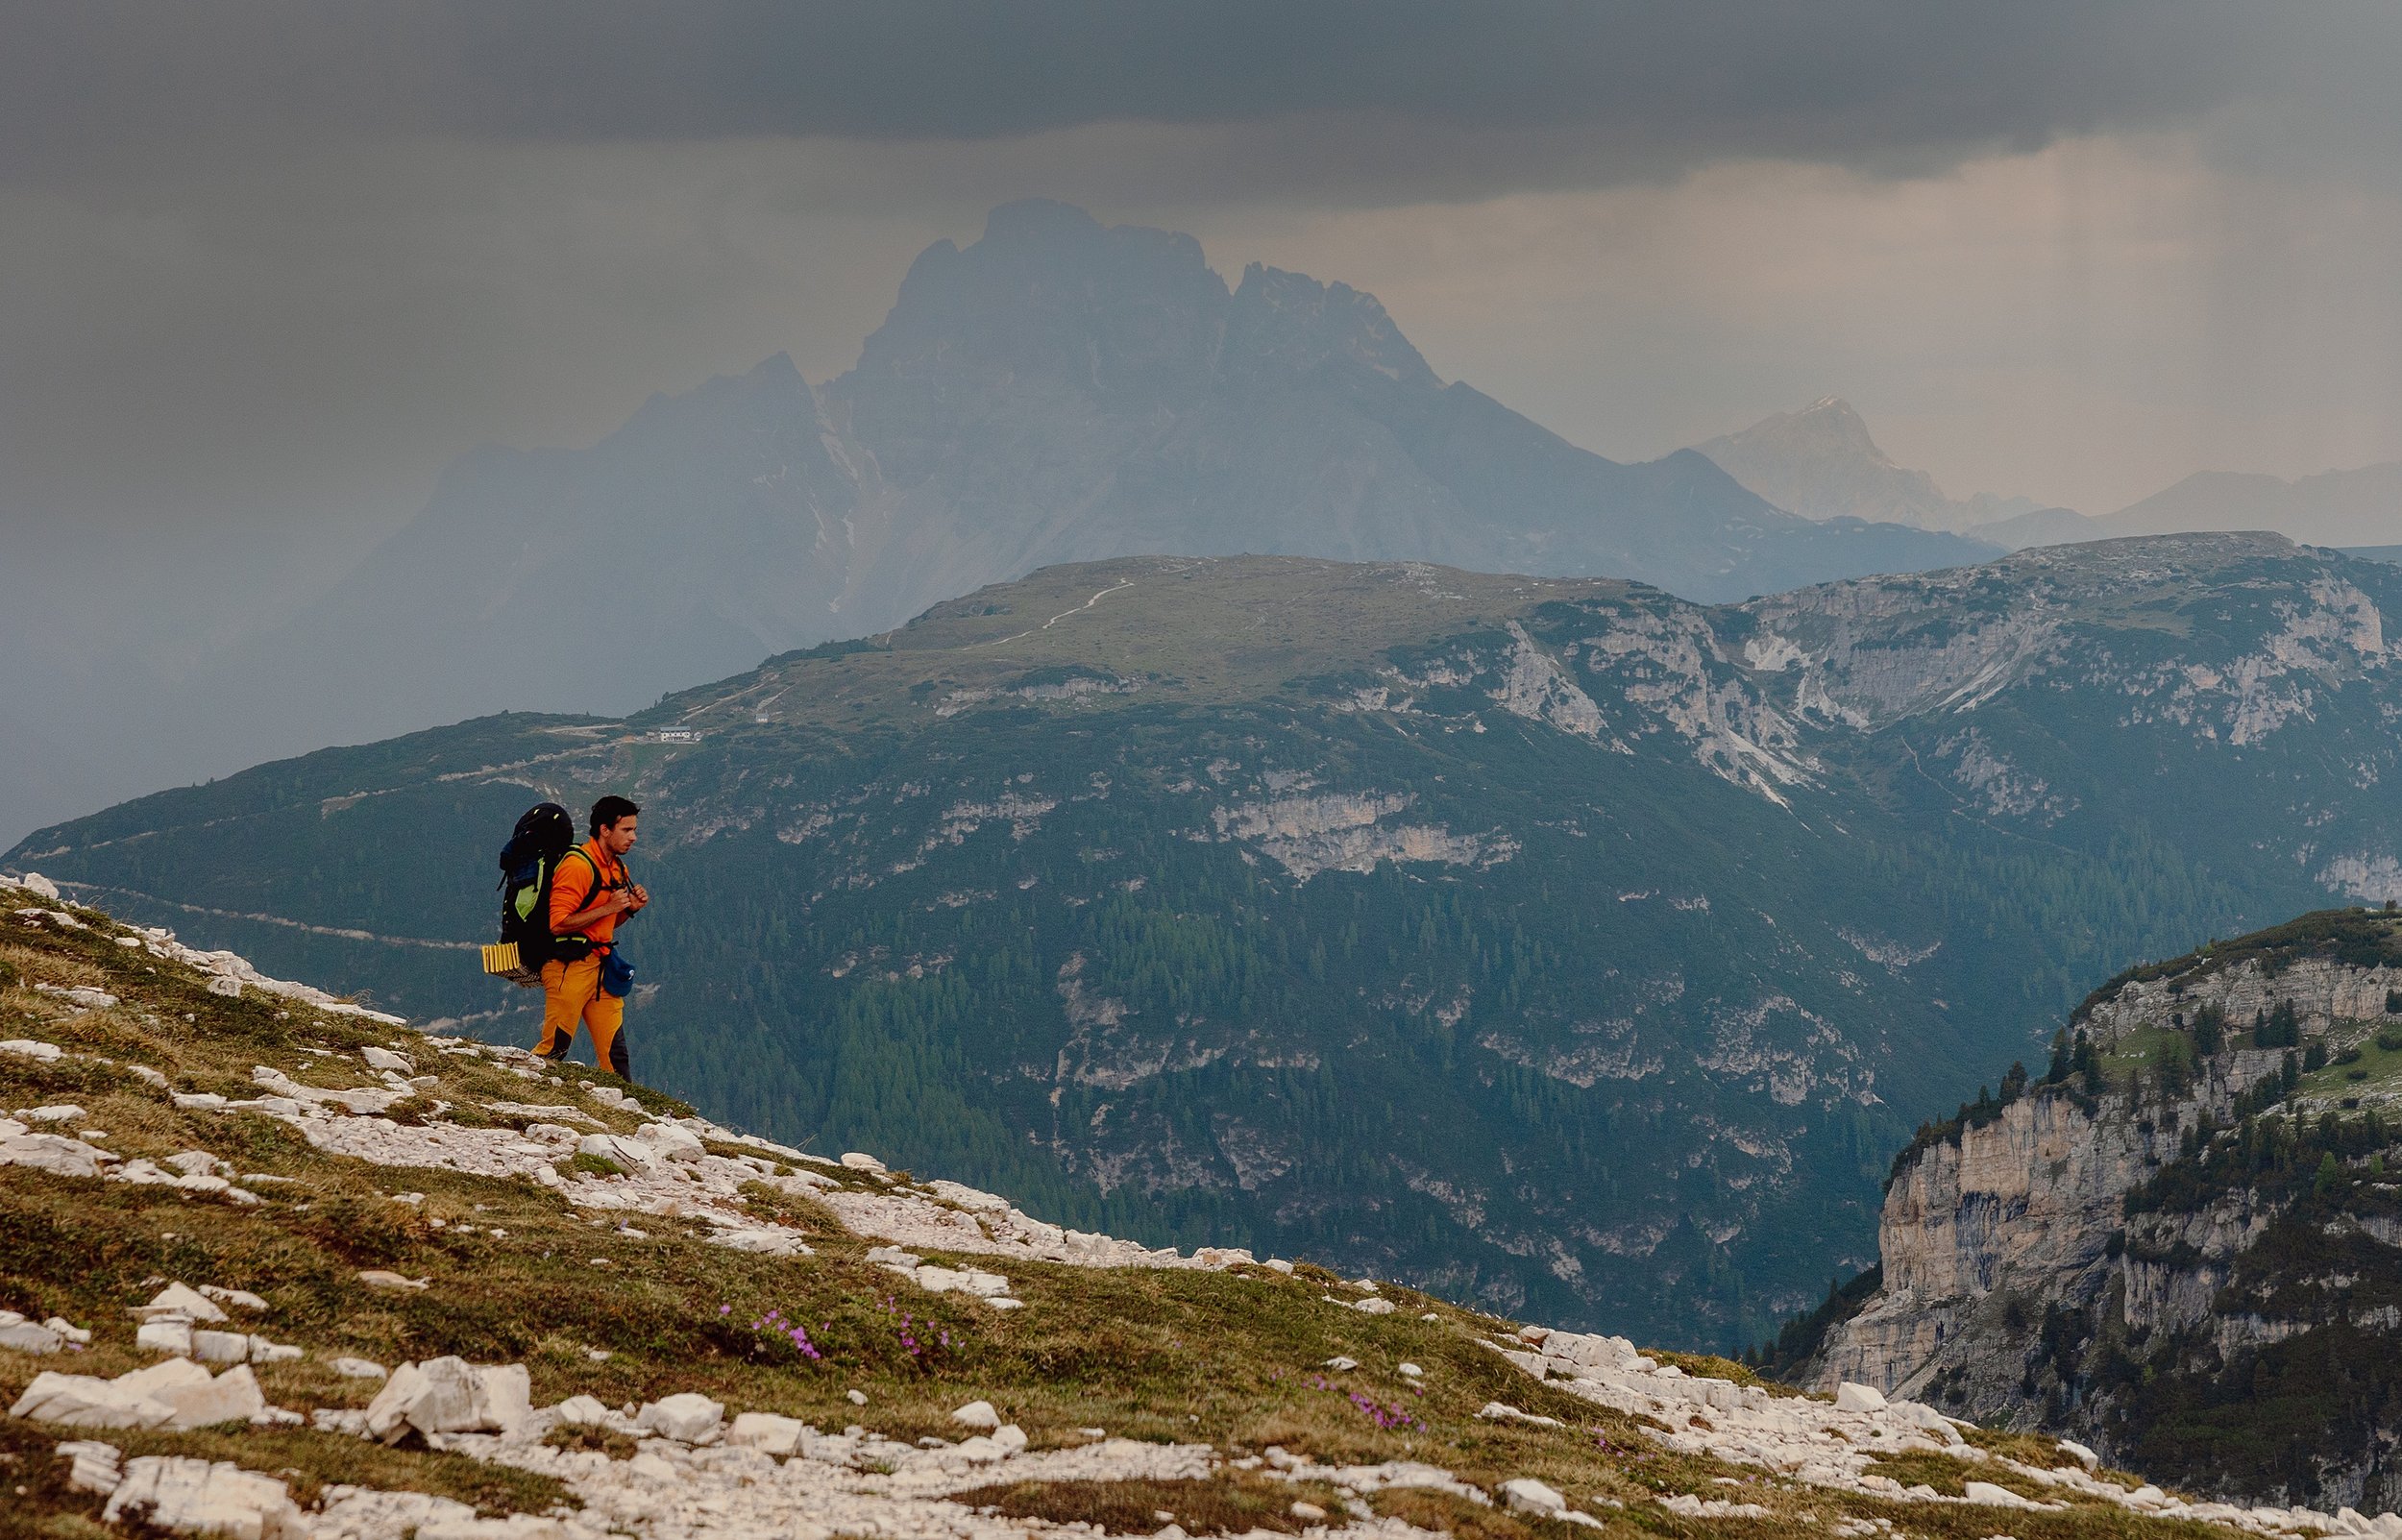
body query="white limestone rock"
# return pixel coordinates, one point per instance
(448, 1395)
(385, 1058)
(514, 1527)
(53, 1153)
(177, 1300)
(977, 1414)
(670, 1142)
(368, 1514)
(618, 1150)
(1853, 1397)
(194, 1497)
(215, 1347)
(21, 1335)
(87, 1400)
(361, 1369)
(584, 1411)
(198, 1399)
(1525, 1494)
(688, 1417)
(95, 1466)
(172, 1333)
(767, 1433)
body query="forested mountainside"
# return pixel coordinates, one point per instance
(1054, 392)
(1555, 944)
(2183, 1243)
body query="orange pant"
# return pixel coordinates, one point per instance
(571, 991)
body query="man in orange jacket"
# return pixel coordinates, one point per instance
(591, 894)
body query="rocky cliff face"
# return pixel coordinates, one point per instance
(2182, 1245)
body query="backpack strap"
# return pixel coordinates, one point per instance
(600, 883)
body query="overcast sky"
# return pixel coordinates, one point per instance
(265, 268)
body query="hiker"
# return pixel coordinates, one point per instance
(590, 895)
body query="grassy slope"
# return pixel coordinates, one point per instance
(1236, 628)
(1154, 1354)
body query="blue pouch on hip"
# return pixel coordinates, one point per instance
(616, 975)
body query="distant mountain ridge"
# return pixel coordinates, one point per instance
(2360, 507)
(1056, 391)
(1821, 462)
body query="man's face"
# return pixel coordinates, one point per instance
(619, 837)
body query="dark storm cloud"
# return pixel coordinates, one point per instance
(1624, 88)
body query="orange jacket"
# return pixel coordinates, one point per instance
(572, 888)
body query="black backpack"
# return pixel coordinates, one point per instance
(529, 862)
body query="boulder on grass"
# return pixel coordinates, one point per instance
(688, 1418)
(87, 1400)
(1527, 1494)
(196, 1399)
(194, 1497)
(176, 1301)
(448, 1395)
(25, 1336)
(765, 1431)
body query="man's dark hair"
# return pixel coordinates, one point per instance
(607, 811)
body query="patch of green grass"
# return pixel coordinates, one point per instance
(2378, 1068)
(607, 1441)
(1233, 1502)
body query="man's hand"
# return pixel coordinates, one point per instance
(634, 898)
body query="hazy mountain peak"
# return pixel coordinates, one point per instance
(1822, 463)
(1047, 294)
(1830, 422)
(1293, 321)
